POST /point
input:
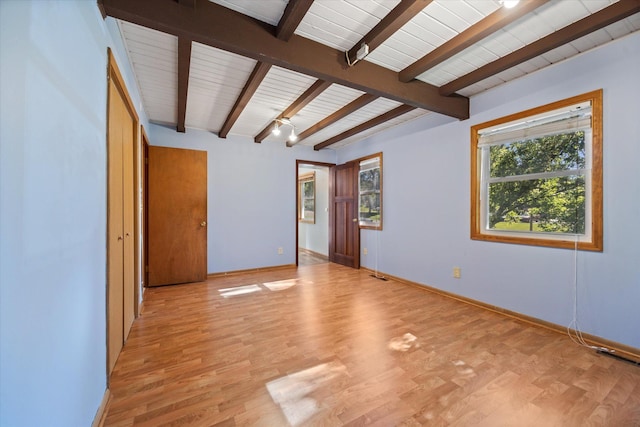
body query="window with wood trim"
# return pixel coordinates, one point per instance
(536, 176)
(307, 198)
(370, 192)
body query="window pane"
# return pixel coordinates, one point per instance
(553, 205)
(547, 154)
(307, 189)
(536, 176)
(370, 179)
(308, 209)
(306, 197)
(370, 196)
(370, 207)
(370, 192)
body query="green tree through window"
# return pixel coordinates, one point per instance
(370, 192)
(537, 176)
(555, 204)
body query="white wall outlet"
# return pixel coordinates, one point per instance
(365, 251)
(456, 272)
(280, 251)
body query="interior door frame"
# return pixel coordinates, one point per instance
(298, 163)
(145, 214)
(140, 154)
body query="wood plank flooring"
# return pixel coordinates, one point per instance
(326, 345)
(307, 257)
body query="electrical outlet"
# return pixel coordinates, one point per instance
(280, 251)
(456, 272)
(365, 251)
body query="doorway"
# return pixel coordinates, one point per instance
(312, 212)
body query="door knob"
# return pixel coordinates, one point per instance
(120, 238)
(355, 220)
(203, 224)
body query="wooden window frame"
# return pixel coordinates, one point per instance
(593, 228)
(364, 225)
(302, 180)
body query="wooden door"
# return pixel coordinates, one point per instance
(177, 216)
(120, 223)
(344, 233)
(128, 218)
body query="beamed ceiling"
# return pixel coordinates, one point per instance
(234, 66)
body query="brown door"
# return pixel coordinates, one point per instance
(177, 216)
(120, 223)
(344, 233)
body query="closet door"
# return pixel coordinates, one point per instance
(115, 230)
(122, 124)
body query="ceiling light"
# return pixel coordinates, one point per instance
(510, 3)
(284, 121)
(293, 137)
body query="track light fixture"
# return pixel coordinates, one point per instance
(284, 121)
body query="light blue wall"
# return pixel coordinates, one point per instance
(53, 58)
(53, 206)
(426, 204)
(315, 237)
(251, 196)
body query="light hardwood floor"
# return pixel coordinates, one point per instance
(307, 257)
(326, 345)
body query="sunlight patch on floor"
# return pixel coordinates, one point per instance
(404, 343)
(281, 285)
(239, 290)
(293, 392)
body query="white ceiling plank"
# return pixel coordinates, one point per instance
(559, 14)
(269, 11)
(486, 7)
(216, 77)
(405, 118)
(278, 90)
(560, 53)
(624, 27)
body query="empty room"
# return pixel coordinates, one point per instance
(319, 212)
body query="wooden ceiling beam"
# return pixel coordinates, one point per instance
(253, 83)
(184, 62)
(222, 28)
(291, 18)
(184, 65)
(392, 114)
(392, 22)
(309, 95)
(591, 23)
(343, 112)
(487, 26)
(293, 14)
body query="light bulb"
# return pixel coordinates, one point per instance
(276, 129)
(510, 3)
(293, 137)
